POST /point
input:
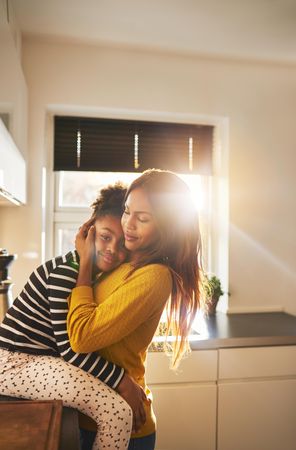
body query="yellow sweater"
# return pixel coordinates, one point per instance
(119, 318)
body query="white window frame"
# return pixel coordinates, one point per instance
(219, 242)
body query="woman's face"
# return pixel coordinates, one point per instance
(109, 243)
(138, 223)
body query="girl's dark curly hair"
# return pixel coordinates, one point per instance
(110, 201)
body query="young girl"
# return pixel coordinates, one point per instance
(119, 316)
(36, 359)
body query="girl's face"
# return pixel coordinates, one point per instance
(109, 243)
(138, 223)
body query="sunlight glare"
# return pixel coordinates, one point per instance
(78, 189)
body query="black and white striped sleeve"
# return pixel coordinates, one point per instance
(27, 325)
(60, 283)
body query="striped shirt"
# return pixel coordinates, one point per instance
(36, 322)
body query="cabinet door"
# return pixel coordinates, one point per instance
(12, 169)
(186, 416)
(198, 366)
(257, 415)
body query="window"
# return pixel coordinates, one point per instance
(75, 191)
(90, 153)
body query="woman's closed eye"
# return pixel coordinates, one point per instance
(144, 218)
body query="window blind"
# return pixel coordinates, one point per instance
(115, 145)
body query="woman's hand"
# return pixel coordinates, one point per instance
(85, 246)
(85, 240)
(135, 396)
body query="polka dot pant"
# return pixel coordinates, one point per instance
(48, 378)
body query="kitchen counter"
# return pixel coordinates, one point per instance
(239, 330)
(241, 376)
(244, 330)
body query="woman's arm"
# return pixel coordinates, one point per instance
(60, 282)
(139, 297)
(135, 298)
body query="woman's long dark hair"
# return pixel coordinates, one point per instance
(179, 248)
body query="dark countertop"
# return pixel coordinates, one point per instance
(244, 330)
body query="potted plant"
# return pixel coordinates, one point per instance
(211, 286)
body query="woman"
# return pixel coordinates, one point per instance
(119, 316)
(33, 334)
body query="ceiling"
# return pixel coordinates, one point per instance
(262, 30)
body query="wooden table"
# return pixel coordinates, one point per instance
(34, 425)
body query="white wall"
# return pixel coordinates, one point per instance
(258, 99)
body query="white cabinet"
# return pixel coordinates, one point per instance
(253, 362)
(186, 416)
(257, 399)
(257, 415)
(227, 399)
(12, 170)
(13, 108)
(184, 401)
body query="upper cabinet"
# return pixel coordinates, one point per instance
(12, 170)
(13, 111)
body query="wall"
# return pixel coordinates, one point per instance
(259, 100)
